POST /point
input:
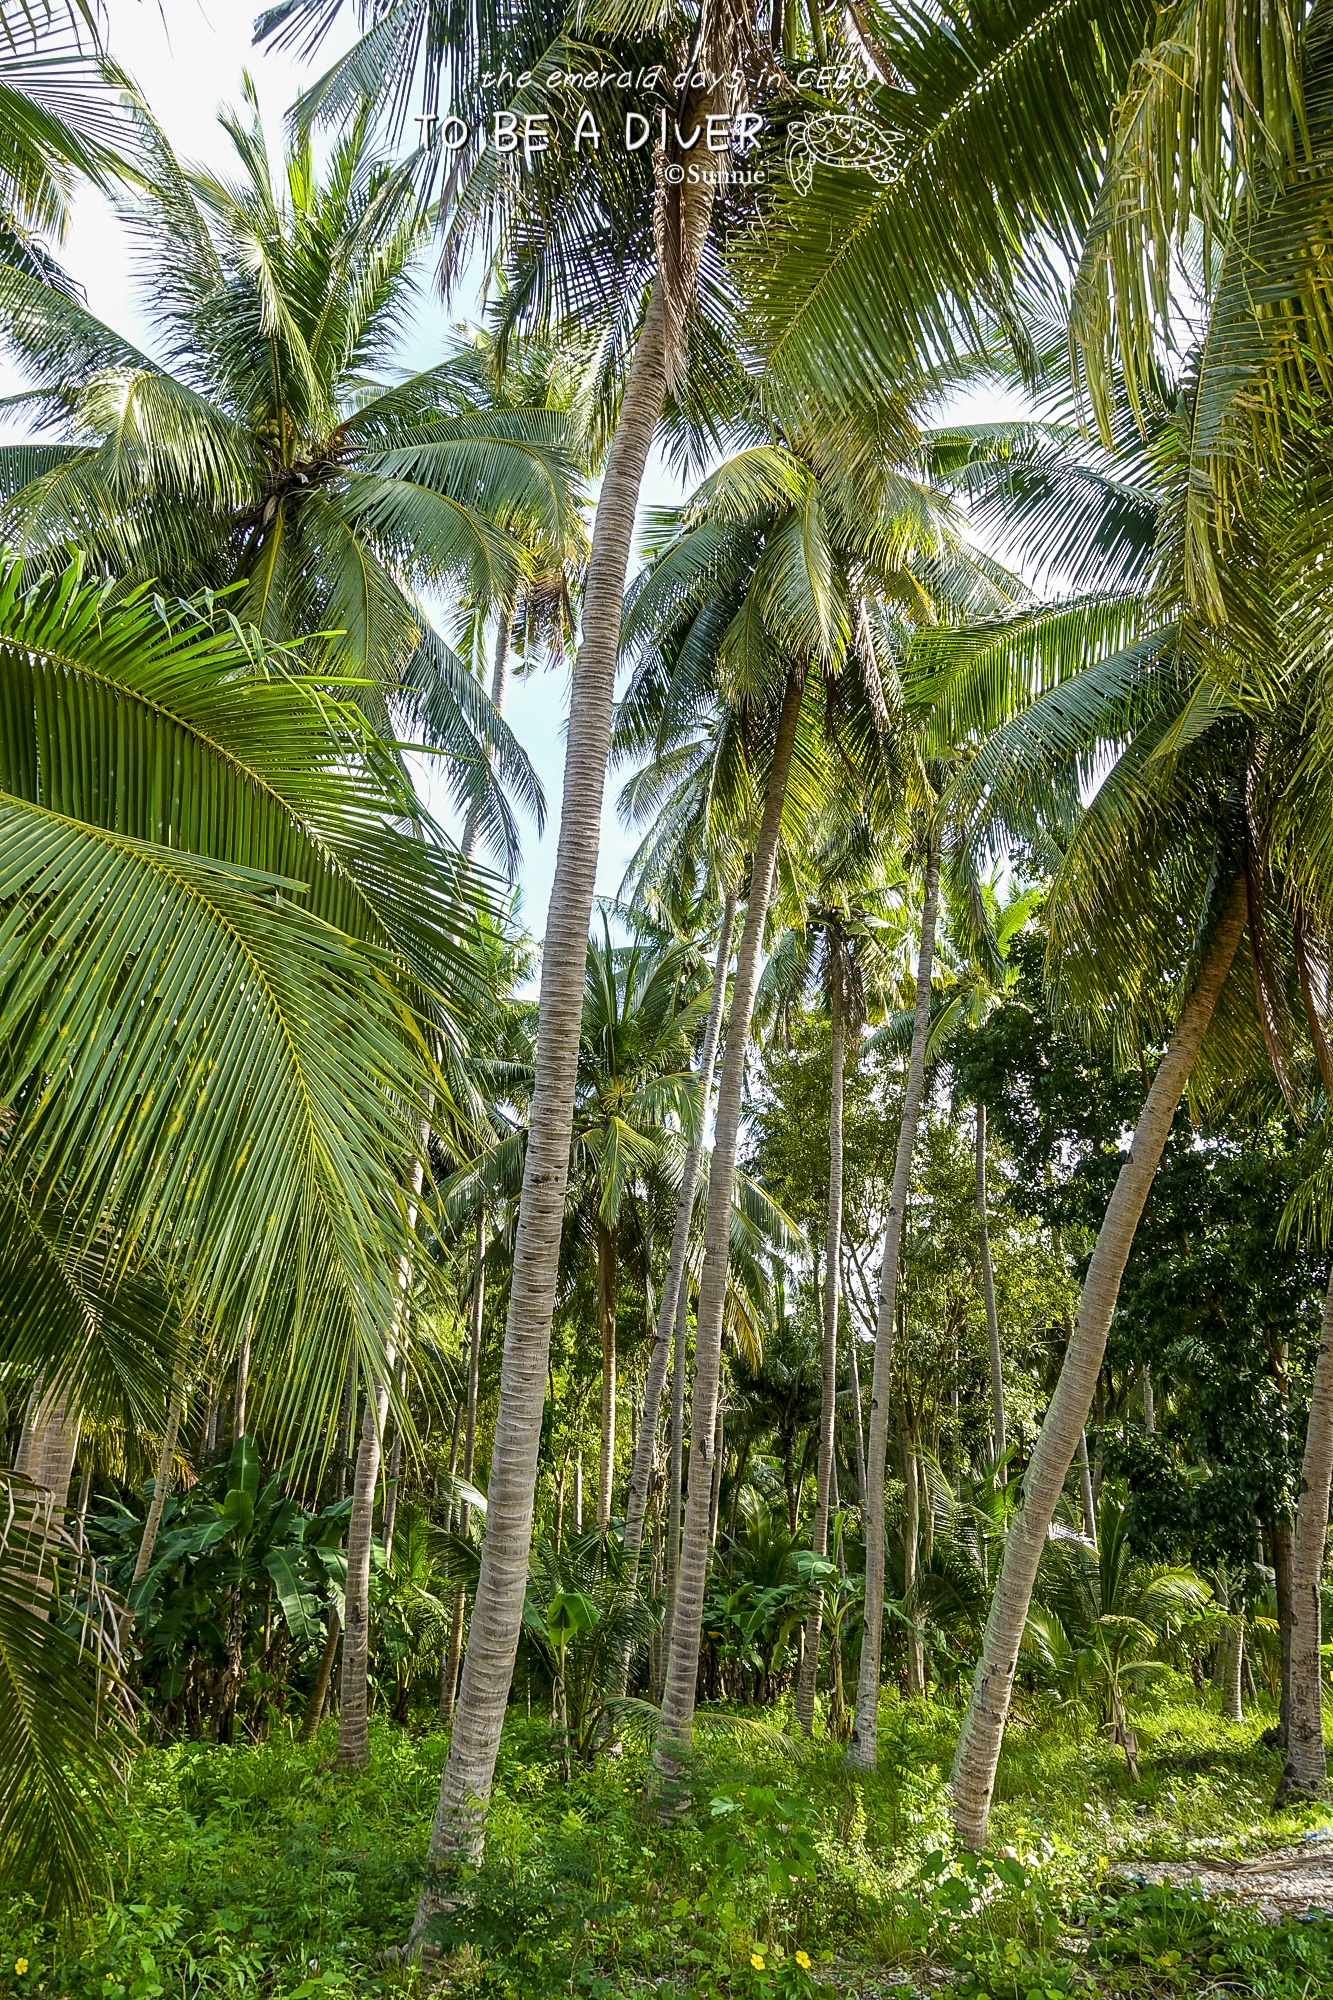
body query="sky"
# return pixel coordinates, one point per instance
(188, 57)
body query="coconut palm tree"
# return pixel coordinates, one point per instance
(58, 122)
(266, 450)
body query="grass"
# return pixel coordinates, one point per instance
(257, 1871)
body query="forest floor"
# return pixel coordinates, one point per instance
(260, 1872)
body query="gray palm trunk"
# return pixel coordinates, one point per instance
(676, 1727)
(673, 1310)
(238, 1408)
(988, 1293)
(499, 688)
(608, 1272)
(465, 1786)
(828, 1404)
(353, 1704)
(675, 1472)
(1231, 1652)
(449, 1681)
(863, 1747)
(1306, 1770)
(858, 1429)
(49, 1441)
(972, 1779)
(162, 1481)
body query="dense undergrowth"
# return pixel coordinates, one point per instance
(259, 1871)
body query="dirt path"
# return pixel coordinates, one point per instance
(1287, 1882)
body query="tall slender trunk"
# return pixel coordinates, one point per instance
(319, 1693)
(469, 1771)
(988, 1293)
(916, 1666)
(1232, 1650)
(1280, 1540)
(353, 1705)
(1087, 1502)
(858, 1432)
(828, 1403)
(863, 1746)
(715, 1495)
(608, 1279)
(393, 1483)
(499, 686)
(238, 1408)
(162, 1482)
(1306, 1770)
(449, 1679)
(1149, 1408)
(973, 1776)
(670, 1309)
(346, 1419)
(675, 1731)
(676, 1472)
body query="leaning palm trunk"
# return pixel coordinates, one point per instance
(162, 1483)
(973, 1776)
(1306, 1771)
(675, 1474)
(469, 1771)
(449, 1681)
(805, 1691)
(863, 1748)
(1231, 1650)
(988, 1292)
(675, 1732)
(499, 687)
(672, 1310)
(353, 1706)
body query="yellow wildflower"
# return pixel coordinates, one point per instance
(20, 1966)
(757, 1960)
(803, 1960)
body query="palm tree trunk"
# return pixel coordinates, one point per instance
(1306, 1771)
(393, 1483)
(1232, 1650)
(673, 1284)
(916, 1666)
(469, 1771)
(1280, 1538)
(858, 1433)
(863, 1747)
(1086, 1500)
(828, 1404)
(449, 1679)
(676, 1727)
(319, 1693)
(1149, 1409)
(675, 1476)
(988, 1292)
(499, 686)
(238, 1408)
(715, 1496)
(162, 1483)
(353, 1706)
(48, 1442)
(973, 1776)
(608, 1279)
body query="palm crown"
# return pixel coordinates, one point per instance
(268, 449)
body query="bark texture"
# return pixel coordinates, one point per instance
(162, 1481)
(465, 1786)
(49, 1440)
(988, 1294)
(449, 1678)
(1231, 1646)
(863, 1746)
(972, 1779)
(608, 1275)
(1306, 1770)
(828, 1400)
(353, 1707)
(676, 1728)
